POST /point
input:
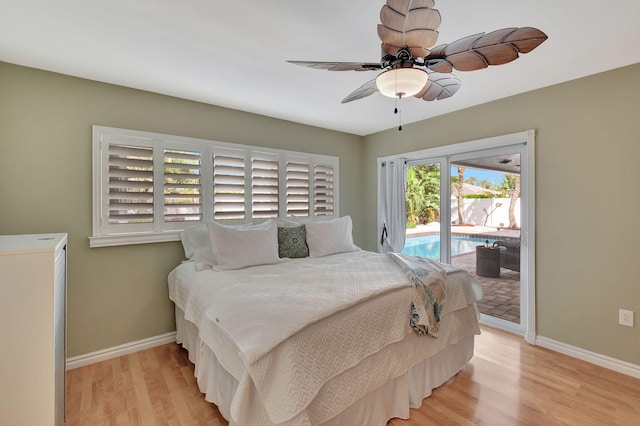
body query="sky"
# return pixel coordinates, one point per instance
(480, 175)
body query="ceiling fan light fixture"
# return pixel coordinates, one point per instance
(401, 82)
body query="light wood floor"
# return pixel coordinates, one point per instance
(508, 382)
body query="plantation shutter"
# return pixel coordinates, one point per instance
(264, 186)
(297, 183)
(130, 184)
(323, 180)
(147, 187)
(228, 185)
(182, 186)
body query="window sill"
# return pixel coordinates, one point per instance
(130, 239)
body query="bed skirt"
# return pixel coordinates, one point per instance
(393, 399)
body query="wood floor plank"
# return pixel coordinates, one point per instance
(508, 382)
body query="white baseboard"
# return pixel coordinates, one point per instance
(151, 342)
(116, 351)
(592, 357)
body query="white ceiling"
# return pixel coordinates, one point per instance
(233, 53)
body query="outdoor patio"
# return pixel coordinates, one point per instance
(501, 295)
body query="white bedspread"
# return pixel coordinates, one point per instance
(277, 328)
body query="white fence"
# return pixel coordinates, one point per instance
(485, 211)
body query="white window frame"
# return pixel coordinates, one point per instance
(528, 242)
(105, 234)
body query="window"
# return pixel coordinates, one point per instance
(297, 188)
(228, 184)
(265, 183)
(130, 184)
(323, 190)
(182, 188)
(147, 187)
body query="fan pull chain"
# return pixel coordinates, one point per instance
(398, 111)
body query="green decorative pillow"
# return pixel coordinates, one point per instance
(292, 241)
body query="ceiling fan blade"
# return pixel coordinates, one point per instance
(526, 39)
(409, 23)
(418, 41)
(414, 19)
(403, 6)
(339, 66)
(462, 56)
(367, 89)
(441, 86)
(481, 50)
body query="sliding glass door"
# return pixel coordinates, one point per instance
(485, 229)
(468, 209)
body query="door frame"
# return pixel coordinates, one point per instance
(527, 326)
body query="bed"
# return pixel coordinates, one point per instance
(323, 337)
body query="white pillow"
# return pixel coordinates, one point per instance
(197, 245)
(330, 237)
(288, 223)
(240, 247)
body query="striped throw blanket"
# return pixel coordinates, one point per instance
(428, 293)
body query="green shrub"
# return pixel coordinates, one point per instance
(479, 196)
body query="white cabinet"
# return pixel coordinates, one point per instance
(32, 329)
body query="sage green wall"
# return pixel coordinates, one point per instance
(587, 203)
(587, 236)
(118, 295)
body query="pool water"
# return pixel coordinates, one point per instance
(429, 245)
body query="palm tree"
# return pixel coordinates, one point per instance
(511, 185)
(460, 196)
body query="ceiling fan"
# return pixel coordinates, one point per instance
(413, 67)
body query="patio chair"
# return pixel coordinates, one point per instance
(510, 257)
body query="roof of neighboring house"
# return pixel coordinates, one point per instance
(468, 189)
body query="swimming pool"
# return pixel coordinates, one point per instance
(429, 245)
